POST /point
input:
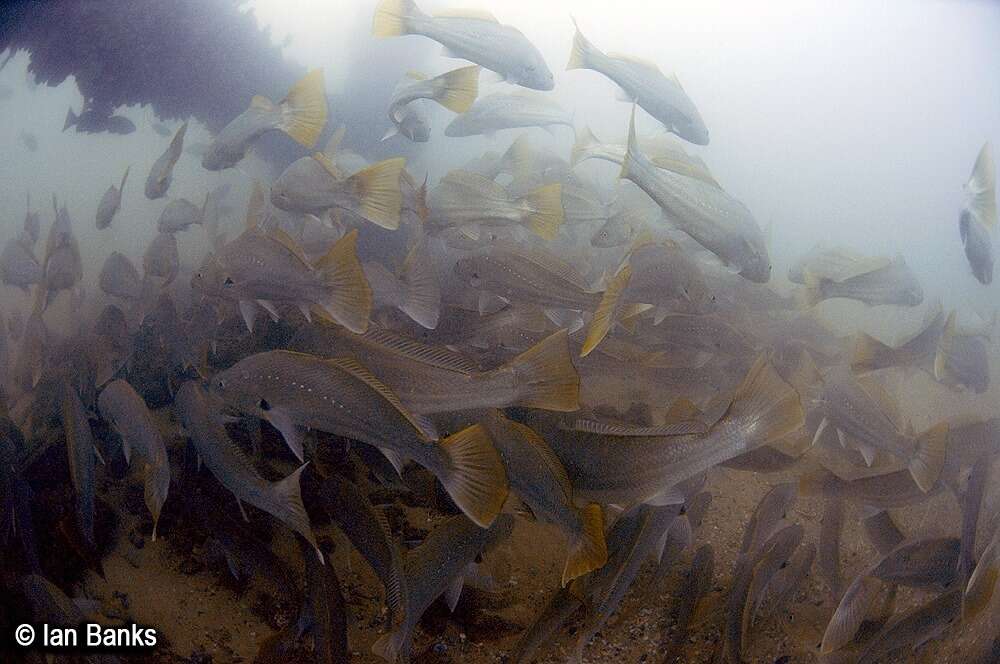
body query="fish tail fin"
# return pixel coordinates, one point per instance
(392, 17)
(476, 478)
(581, 52)
(71, 119)
(289, 494)
(589, 551)
(767, 400)
(124, 178)
(457, 89)
(304, 109)
(422, 297)
(585, 140)
(604, 315)
(547, 216)
(379, 197)
(349, 297)
(393, 645)
(520, 158)
(545, 375)
(869, 354)
(982, 188)
(928, 460)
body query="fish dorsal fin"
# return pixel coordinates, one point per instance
(416, 75)
(680, 428)
(882, 398)
(475, 14)
(862, 266)
(354, 368)
(436, 356)
(545, 453)
(256, 207)
(336, 138)
(480, 184)
(328, 165)
(288, 242)
(261, 103)
(648, 64)
(545, 260)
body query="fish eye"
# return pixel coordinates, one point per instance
(264, 405)
(228, 281)
(221, 384)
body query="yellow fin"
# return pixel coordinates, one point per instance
(547, 214)
(590, 550)
(520, 158)
(869, 353)
(377, 188)
(286, 240)
(458, 88)
(476, 478)
(261, 103)
(305, 109)
(435, 356)
(545, 376)
(631, 149)
(391, 18)
(416, 75)
(604, 316)
(580, 50)
(336, 138)
(982, 188)
(348, 295)
(769, 401)
(928, 460)
(475, 14)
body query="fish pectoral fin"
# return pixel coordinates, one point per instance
(454, 592)
(290, 431)
(269, 307)
(248, 310)
(589, 550)
(239, 504)
(394, 458)
(476, 478)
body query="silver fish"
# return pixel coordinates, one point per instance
(979, 216)
(880, 281)
(455, 90)
(161, 174)
(508, 110)
(110, 203)
(161, 258)
(469, 34)
(119, 277)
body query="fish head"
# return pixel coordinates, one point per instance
(237, 391)
(212, 278)
(532, 72)
(414, 127)
(754, 261)
(217, 157)
(299, 184)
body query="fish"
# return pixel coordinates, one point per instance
(368, 531)
(560, 608)
(835, 263)
(538, 477)
(878, 282)
(430, 379)
(473, 35)
(692, 600)
(81, 452)
(326, 609)
(886, 491)
(110, 203)
(438, 567)
(469, 202)
(127, 413)
(918, 350)
(641, 82)
(93, 121)
(663, 151)
(717, 221)
(455, 90)
(119, 277)
(926, 563)
(62, 265)
(979, 216)
(961, 360)
(912, 628)
(508, 110)
(18, 265)
(830, 533)
(292, 390)
(200, 417)
(982, 583)
(865, 596)
(179, 215)
(213, 212)
(626, 470)
(161, 175)
(314, 184)
(786, 581)
(867, 414)
(971, 501)
(162, 258)
(260, 269)
(301, 115)
(48, 604)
